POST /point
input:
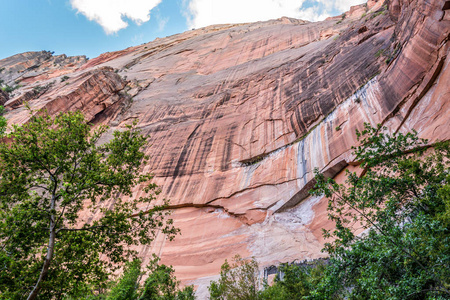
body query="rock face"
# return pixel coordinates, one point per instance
(240, 115)
(3, 97)
(34, 66)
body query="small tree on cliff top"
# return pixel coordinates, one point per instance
(51, 172)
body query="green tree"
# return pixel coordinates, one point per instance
(162, 284)
(2, 121)
(128, 284)
(54, 173)
(187, 293)
(401, 199)
(238, 281)
(297, 282)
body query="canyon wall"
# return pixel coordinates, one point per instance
(240, 115)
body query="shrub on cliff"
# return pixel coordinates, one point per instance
(2, 121)
(54, 173)
(9, 89)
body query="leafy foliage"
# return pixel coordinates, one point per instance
(298, 281)
(126, 287)
(401, 200)
(238, 281)
(52, 173)
(187, 293)
(161, 284)
(2, 121)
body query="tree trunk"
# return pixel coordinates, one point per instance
(48, 257)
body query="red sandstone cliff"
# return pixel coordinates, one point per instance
(240, 115)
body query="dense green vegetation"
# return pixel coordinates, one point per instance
(160, 284)
(402, 201)
(52, 170)
(298, 281)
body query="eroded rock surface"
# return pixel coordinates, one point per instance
(37, 66)
(3, 97)
(240, 115)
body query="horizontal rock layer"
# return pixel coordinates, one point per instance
(240, 115)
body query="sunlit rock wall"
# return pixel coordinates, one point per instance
(240, 115)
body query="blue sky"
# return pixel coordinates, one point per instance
(91, 27)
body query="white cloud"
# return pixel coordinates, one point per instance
(344, 5)
(110, 13)
(312, 14)
(162, 23)
(207, 12)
